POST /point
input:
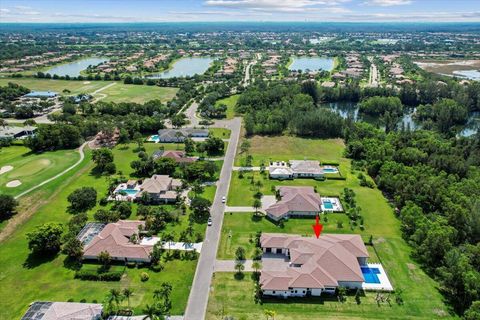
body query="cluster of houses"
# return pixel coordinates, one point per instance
(30, 62)
(228, 68)
(271, 63)
(355, 68)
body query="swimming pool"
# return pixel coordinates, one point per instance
(327, 204)
(130, 192)
(330, 170)
(154, 138)
(370, 274)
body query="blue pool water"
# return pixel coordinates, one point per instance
(130, 192)
(370, 274)
(327, 205)
(330, 170)
(154, 137)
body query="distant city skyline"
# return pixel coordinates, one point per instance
(239, 10)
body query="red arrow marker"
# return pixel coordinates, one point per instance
(317, 227)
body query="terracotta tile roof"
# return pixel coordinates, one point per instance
(295, 199)
(114, 239)
(315, 263)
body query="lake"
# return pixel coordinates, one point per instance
(468, 74)
(311, 63)
(350, 110)
(73, 69)
(185, 67)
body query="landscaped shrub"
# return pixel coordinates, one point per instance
(144, 276)
(336, 178)
(95, 276)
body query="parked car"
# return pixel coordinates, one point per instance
(209, 222)
(224, 199)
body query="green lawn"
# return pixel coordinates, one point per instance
(75, 87)
(234, 297)
(230, 102)
(117, 93)
(50, 280)
(284, 148)
(221, 133)
(137, 93)
(32, 168)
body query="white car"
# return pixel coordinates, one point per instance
(224, 199)
(209, 222)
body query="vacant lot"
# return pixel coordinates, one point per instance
(230, 102)
(284, 148)
(138, 94)
(32, 168)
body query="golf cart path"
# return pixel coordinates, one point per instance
(82, 156)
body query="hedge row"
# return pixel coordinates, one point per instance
(95, 276)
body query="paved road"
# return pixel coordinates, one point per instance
(82, 156)
(198, 299)
(374, 76)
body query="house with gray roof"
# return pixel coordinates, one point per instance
(160, 188)
(179, 135)
(295, 169)
(46, 310)
(10, 132)
(311, 266)
(295, 201)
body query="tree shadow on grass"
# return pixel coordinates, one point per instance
(239, 275)
(72, 263)
(34, 260)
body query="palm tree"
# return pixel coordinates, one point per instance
(115, 296)
(127, 293)
(157, 295)
(270, 313)
(257, 204)
(151, 313)
(240, 267)
(256, 265)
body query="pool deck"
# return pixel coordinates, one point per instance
(384, 284)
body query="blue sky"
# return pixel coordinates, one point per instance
(238, 10)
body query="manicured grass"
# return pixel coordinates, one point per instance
(208, 193)
(50, 280)
(221, 133)
(230, 102)
(284, 148)
(138, 93)
(58, 86)
(32, 168)
(239, 229)
(235, 298)
(117, 93)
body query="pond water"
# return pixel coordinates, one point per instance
(185, 67)
(350, 110)
(468, 74)
(73, 69)
(311, 63)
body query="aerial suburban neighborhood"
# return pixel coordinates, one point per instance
(239, 160)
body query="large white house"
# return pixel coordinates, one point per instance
(295, 169)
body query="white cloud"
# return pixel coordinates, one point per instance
(388, 3)
(2, 10)
(292, 6)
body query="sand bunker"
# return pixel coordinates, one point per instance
(13, 184)
(86, 82)
(5, 169)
